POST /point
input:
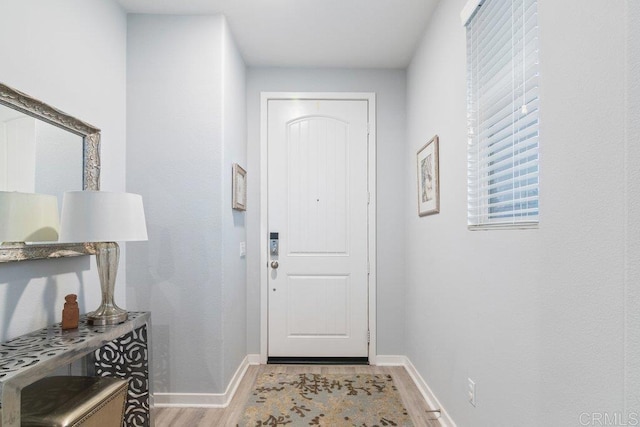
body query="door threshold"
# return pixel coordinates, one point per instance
(318, 360)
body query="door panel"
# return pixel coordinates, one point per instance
(318, 198)
(318, 306)
(318, 186)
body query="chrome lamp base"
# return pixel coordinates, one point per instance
(107, 257)
(107, 316)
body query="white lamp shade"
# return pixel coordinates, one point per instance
(101, 216)
(28, 217)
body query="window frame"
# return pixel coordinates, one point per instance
(518, 30)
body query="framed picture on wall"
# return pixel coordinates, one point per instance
(239, 189)
(428, 178)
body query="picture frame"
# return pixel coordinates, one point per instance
(428, 168)
(239, 188)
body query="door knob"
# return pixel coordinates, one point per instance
(274, 264)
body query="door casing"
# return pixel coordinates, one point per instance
(264, 200)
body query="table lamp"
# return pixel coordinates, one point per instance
(28, 217)
(102, 218)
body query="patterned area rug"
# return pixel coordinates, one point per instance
(330, 400)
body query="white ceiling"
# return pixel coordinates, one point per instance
(312, 33)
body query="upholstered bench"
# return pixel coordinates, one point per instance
(74, 401)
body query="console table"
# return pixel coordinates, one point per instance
(118, 350)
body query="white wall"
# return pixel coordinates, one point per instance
(185, 125)
(536, 317)
(234, 290)
(389, 86)
(632, 180)
(70, 54)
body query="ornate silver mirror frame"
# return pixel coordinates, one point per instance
(91, 167)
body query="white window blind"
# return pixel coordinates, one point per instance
(503, 112)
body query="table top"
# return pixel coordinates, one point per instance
(50, 347)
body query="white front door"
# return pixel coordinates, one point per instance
(317, 203)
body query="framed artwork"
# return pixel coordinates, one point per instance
(428, 178)
(239, 188)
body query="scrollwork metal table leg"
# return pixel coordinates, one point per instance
(128, 357)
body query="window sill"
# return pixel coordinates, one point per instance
(517, 226)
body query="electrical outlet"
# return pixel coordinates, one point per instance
(471, 391)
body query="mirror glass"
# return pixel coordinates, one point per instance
(38, 157)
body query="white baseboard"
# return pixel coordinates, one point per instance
(207, 400)
(431, 399)
(254, 359)
(390, 360)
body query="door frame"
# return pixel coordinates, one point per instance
(370, 97)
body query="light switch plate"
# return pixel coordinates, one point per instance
(243, 249)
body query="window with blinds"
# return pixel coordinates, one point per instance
(503, 112)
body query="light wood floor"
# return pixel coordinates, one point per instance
(229, 416)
